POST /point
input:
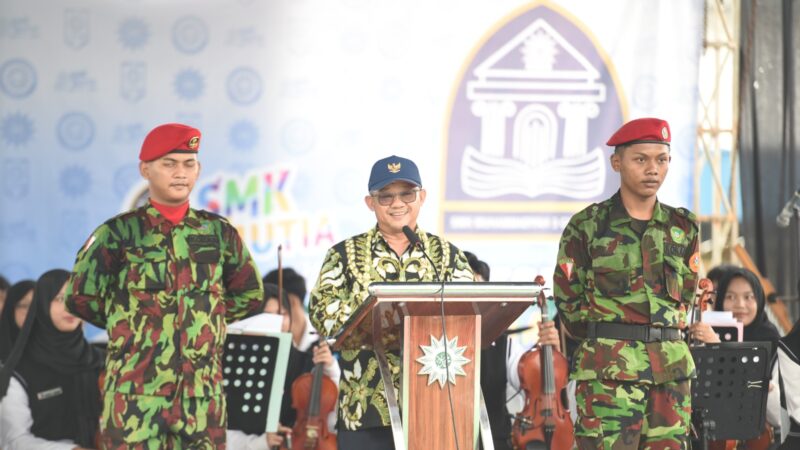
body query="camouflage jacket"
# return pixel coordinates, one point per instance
(349, 268)
(163, 293)
(607, 272)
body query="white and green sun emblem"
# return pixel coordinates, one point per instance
(434, 364)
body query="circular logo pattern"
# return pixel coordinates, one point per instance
(190, 34)
(244, 86)
(16, 129)
(244, 135)
(298, 136)
(74, 181)
(75, 130)
(189, 84)
(17, 78)
(133, 33)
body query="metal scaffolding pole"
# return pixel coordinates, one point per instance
(717, 125)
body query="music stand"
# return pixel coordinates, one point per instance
(729, 396)
(254, 372)
(728, 333)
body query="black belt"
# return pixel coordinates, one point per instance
(631, 332)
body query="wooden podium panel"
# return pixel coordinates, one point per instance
(408, 317)
(426, 408)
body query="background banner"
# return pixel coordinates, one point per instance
(504, 105)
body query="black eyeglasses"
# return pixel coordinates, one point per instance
(386, 199)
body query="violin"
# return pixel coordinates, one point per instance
(543, 375)
(313, 397)
(703, 300)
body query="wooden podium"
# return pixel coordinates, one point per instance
(407, 317)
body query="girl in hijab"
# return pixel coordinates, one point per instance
(12, 317)
(49, 385)
(740, 292)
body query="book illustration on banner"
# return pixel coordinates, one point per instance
(725, 325)
(255, 359)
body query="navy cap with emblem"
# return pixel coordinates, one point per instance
(391, 169)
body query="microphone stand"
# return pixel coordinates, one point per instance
(415, 242)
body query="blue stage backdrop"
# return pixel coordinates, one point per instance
(504, 105)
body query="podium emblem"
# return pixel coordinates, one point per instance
(435, 361)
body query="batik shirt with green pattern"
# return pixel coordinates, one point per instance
(612, 268)
(349, 268)
(164, 293)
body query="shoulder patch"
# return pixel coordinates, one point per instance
(685, 213)
(694, 262)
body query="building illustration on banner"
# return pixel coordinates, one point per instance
(525, 147)
(504, 95)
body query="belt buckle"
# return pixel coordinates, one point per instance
(655, 334)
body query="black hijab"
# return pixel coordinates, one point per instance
(761, 329)
(65, 354)
(9, 331)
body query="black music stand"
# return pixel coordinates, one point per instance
(254, 372)
(729, 396)
(726, 334)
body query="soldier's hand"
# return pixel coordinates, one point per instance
(548, 335)
(322, 354)
(703, 333)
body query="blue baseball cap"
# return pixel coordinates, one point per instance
(391, 169)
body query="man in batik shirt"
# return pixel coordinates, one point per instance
(382, 254)
(163, 280)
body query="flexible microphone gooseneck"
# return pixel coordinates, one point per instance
(415, 242)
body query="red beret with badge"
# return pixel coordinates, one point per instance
(169, 138)
(647, 130)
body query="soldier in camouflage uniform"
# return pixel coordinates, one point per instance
(163, 280)
(625, 276)
(381, 254)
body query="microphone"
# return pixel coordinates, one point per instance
(785, 216)
(415, 242)
(411, 236)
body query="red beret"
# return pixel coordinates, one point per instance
(645, 130)
(169, 138)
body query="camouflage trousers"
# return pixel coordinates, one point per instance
(146, 422)
(624, 415)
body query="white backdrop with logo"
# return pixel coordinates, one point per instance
(504, 105)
